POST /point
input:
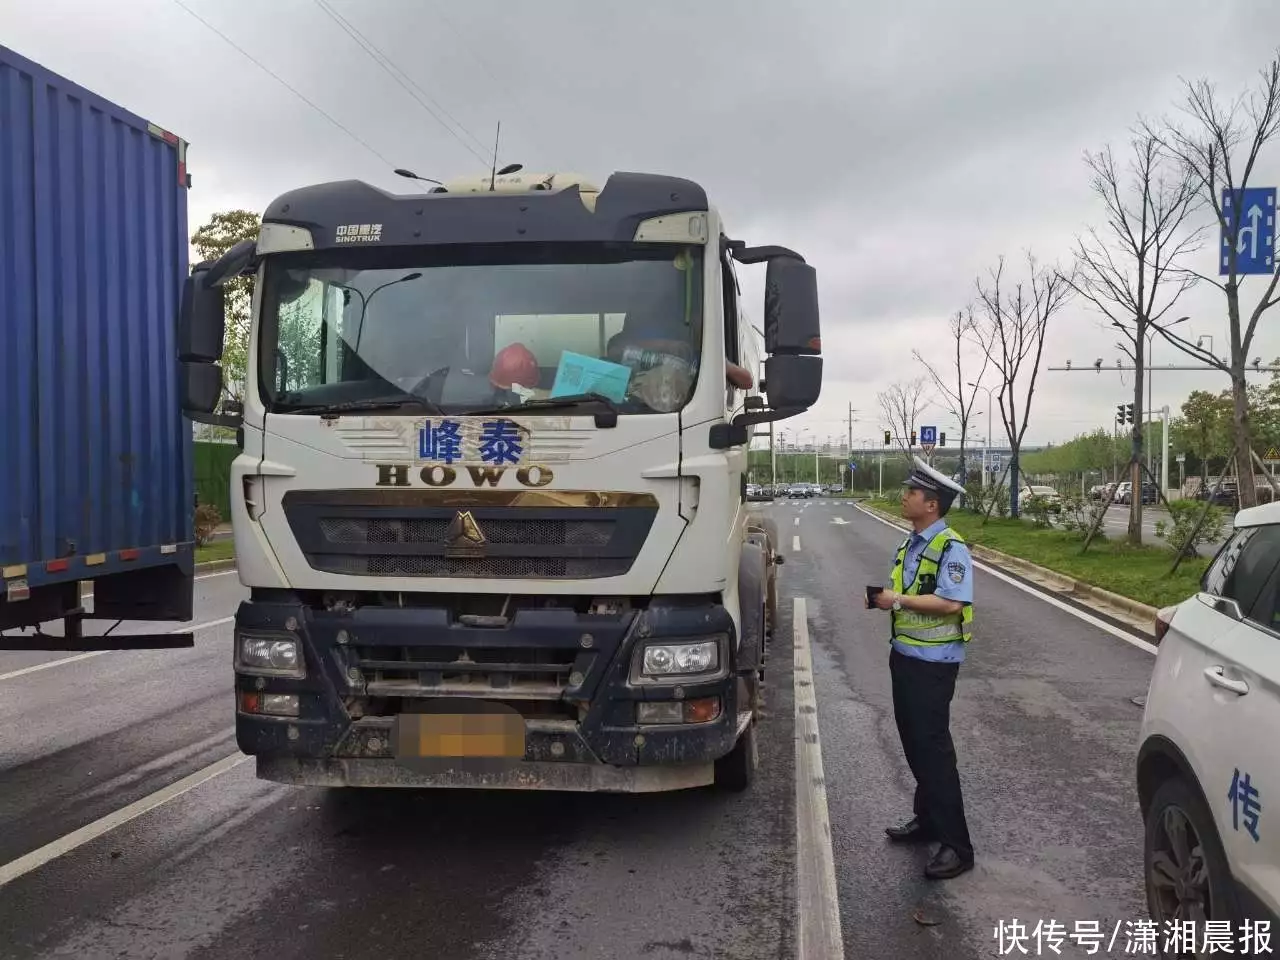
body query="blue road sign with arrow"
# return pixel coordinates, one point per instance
(928, 435)
(1253, 223)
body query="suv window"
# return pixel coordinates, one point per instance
(1266, 609)
(1246, 563)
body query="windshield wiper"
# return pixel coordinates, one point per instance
(349, 406)
(609, 419)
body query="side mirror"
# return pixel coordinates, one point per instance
(794, 381)
(203, 321)
(201, 389)
(791, 308)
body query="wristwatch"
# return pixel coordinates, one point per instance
(897, 604)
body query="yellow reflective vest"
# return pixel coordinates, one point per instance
(923, 629)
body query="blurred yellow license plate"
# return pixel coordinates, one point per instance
(444, 735)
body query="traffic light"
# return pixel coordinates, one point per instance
(1120, 413)
(913, 438)
(887, 438)
(942, 439)
(1129, 412)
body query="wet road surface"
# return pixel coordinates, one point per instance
(237, 867)
(1046, 739)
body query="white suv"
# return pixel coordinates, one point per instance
(1209, 749)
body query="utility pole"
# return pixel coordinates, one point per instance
(851, 413)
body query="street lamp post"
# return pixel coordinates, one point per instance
(987, 390)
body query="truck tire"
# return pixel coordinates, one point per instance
(736, 770)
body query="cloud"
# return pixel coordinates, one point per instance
(901, 148)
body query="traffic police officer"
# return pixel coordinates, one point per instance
(931, 599)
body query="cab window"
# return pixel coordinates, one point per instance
(731, 292)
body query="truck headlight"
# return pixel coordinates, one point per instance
(678, 658)
(270, 656)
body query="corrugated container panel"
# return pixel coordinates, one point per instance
(93, 252)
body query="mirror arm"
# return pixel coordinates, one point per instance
(239, 260)
(753, 417)
(216, 419)
(744, 254)
(735, 434)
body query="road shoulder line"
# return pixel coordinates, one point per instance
(818, 935)
(77, 838)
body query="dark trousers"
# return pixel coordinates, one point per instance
(922, 692)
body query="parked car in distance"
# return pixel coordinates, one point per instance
(1124, 493)
(1207, 747)
(1052, 499)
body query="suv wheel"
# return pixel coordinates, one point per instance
(1186, 869)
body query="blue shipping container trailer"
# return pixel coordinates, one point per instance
(96, 478)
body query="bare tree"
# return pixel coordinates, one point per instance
(1011, 331)
(902, 404)
(1131, 270)
(1213, 132)
(954, 399)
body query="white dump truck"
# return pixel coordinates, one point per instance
(491, 502)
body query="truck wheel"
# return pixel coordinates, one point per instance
(1185, 866)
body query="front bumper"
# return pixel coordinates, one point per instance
(366, 667)
(529, 775)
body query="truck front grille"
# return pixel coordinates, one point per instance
(478, 534)
(507, 673)
(374, 530)
(512, 568)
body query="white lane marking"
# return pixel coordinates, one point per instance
(50, 851)
(220, 573)
(797, 521)
(97, 653)
(1052, 601)
(817, 902)
(795, 543)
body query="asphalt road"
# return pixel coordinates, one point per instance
(223, 865)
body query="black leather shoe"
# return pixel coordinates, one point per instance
(913, 831)
(946, 863)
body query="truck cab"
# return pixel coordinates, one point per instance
(491, 501)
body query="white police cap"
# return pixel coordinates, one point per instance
(924, 477)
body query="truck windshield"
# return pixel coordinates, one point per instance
(477, 330)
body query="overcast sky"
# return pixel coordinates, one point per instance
(900, 146)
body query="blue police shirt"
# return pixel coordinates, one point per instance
(955, 582)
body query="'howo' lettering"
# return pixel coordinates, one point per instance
(439, 475)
